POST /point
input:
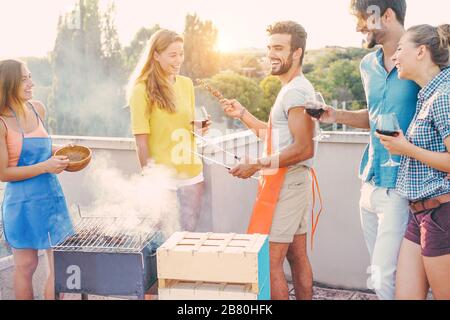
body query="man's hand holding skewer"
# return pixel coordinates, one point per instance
(233, 108)
(246, 169)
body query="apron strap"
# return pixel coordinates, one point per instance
(36, 113)
(18, 122)
(315, 219)
(4, 123)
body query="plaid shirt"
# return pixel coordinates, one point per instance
(428, 130)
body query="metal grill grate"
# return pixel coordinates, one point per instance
(108, 235)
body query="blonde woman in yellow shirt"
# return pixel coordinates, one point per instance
(162, 107)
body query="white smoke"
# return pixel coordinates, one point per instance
(144, 202)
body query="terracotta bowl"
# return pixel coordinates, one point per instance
(79, 157)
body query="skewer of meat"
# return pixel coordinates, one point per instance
(216, 93)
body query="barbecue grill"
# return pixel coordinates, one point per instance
(107, 257)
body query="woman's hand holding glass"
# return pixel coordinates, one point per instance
(389, 132)
(201, 127)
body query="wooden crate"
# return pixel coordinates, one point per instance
(185, 290)
(230, 259)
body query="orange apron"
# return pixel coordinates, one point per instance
(269, 188)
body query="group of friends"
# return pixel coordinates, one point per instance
(404, 209)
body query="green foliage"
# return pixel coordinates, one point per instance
(270, 87)
(201, 58)
(88, 76)
(40, 69)
(345, 74)
(247, 63)
(307, 68)
(251, 62)
(212, 105)
(235, 86)
(258, 98)
(243, 89)
(111, 47)
(133, 52)
(332, 71)
(335, 73)
(84, 78)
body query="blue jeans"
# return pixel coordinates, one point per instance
(384, 218)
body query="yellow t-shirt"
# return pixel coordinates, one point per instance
(170, 139)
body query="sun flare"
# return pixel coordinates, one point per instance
(225, 44)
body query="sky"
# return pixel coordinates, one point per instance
(28, 27)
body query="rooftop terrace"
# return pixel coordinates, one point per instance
(339, 259)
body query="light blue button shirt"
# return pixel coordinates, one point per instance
(385, 93)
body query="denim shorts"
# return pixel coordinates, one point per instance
(430, 230)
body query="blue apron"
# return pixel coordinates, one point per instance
(35, 214)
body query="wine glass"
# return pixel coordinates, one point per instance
(387, 124)
(201, 123)
(315, 110)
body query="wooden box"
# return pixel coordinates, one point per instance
(184, 290)
(214, 262)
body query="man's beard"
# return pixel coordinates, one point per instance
(284, 67)
(371, 43)
(374, 40)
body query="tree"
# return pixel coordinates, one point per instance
(243, 89)
(87, 75)
(270, 87)
(111, 47)
(134, 51)
(41, 70)
(205, 99)
(344, 74)
(201, 58)
(335, 73)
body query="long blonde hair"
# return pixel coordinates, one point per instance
(159, 89)
(10, 80)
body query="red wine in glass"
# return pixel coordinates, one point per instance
(315, 110)
(388, 133)
(202, 123)
(387, 124)
(315, 113)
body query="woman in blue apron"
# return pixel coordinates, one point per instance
(34, 209)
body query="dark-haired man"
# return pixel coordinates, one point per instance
(384, 213)
(284, 197)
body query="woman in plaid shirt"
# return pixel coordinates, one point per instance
(424, 261)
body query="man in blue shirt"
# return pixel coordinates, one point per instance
(384, 213)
